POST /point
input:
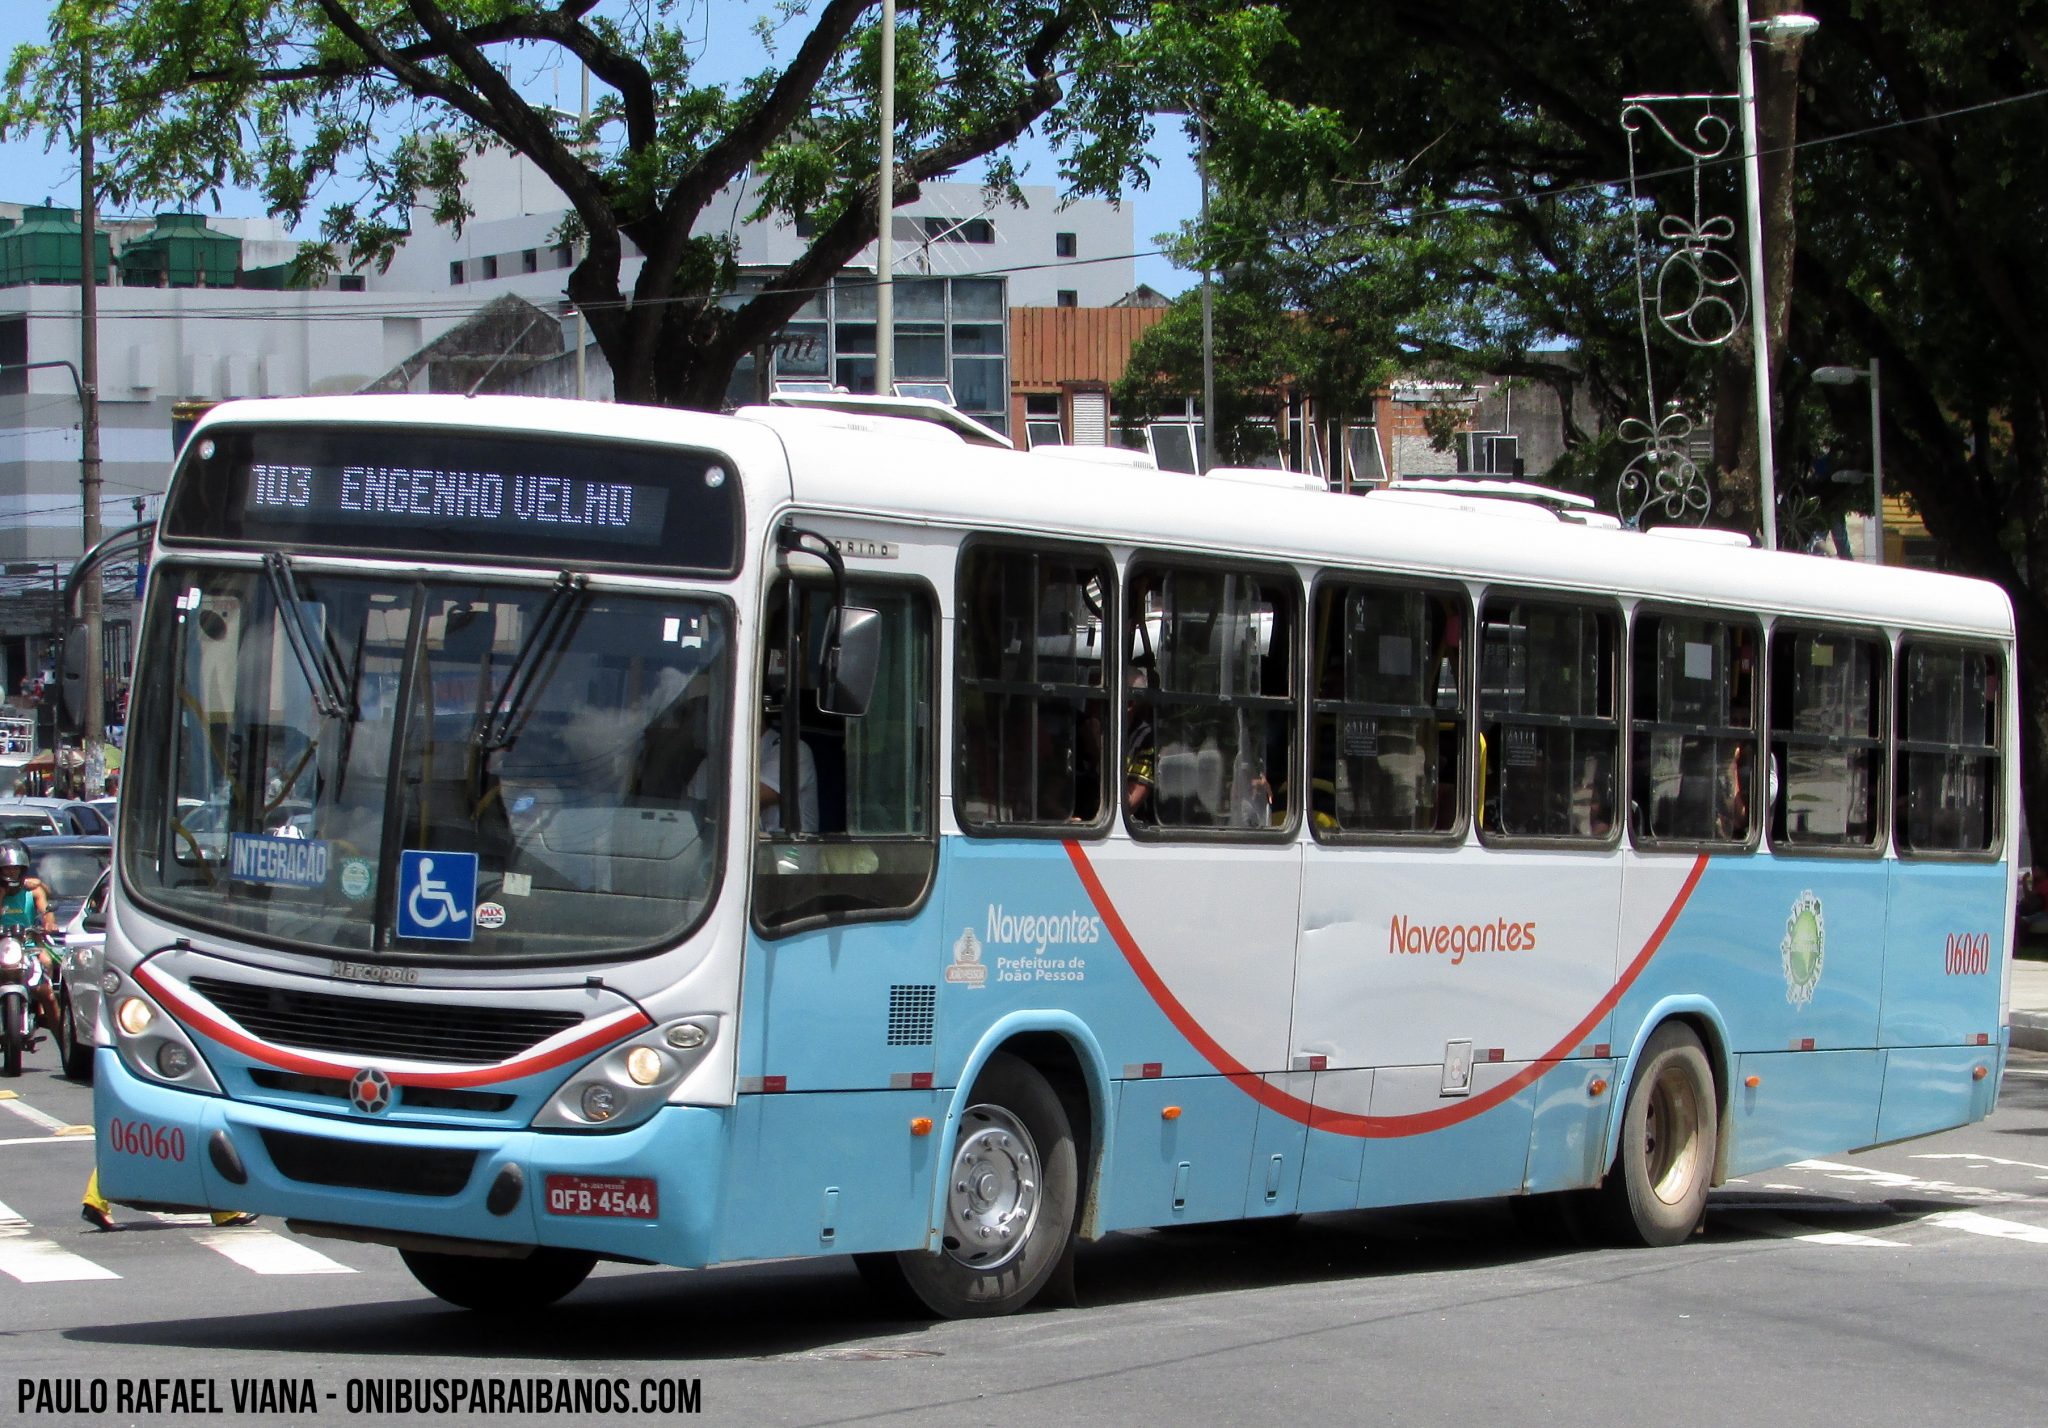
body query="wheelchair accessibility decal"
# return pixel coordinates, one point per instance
(437, 895)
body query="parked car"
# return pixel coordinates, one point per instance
(79, 953)
(69, 815)
(106, 808)
(20, 822)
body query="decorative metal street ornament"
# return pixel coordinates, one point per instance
(1699, 295)
(1662, 482)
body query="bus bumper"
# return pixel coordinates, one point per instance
(648, 1193)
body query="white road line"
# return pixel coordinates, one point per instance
(1893, 1180)
(255, 1248)
(1970, 1222)
(85, 1139)
(1788, 1230)
(29, 1113)
(34, 1261)
(1981, 1160)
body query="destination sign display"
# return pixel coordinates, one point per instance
(458, 494)
(483, 500)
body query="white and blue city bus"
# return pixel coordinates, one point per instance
(560, 832)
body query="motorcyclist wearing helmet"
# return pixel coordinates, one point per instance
(25, 909)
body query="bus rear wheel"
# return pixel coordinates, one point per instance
(1010, 1195)
(500, 1285)
(1670, 1133)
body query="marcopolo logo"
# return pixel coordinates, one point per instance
(1047, 944)
(1804, 949)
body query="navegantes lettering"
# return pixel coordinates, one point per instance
(1045, 939)
(1457, 940)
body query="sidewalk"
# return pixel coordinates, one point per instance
(2029, 1016)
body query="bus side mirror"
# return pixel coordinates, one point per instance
(853, 656)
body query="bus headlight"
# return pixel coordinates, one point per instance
(644, 1065)
(627, 1084)
(154, 1047)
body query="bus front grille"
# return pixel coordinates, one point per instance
(355, 1165)
(372, 1026)
(333, 1088)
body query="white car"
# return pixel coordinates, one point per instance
(79, 946)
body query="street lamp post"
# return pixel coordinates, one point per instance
(1849, 376)
(885, 205)
(1774, 28)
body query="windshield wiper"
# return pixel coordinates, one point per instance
(316, 660)
(557, 620)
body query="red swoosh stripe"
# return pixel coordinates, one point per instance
(1344, 1122)
(601, 1033)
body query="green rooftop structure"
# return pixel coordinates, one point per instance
(43, 248)
(181, 252)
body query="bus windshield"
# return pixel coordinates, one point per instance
(545, 750)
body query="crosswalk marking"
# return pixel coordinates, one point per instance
(34, 1261)
(267, 1252)
(255, 1248)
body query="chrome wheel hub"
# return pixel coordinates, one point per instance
(992, 1196)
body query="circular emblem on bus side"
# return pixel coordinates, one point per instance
(1804, 949)
(369, 1091)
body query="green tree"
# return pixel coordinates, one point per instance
(363, 109)
(1904, 226)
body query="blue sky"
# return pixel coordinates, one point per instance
(28, 174)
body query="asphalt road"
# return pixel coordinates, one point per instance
(1895, 1287)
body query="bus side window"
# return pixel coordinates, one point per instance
(1693, 737)
(1548, 719)
(1388, 724)
(1947, 752)
(1031, 645)
(1827, 734)
(1209, 708)
(856, 838)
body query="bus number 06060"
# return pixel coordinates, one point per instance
(151, 1142)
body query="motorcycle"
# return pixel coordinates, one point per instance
(22, 998)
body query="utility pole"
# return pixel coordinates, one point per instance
(89, 414)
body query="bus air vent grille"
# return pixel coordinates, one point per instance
(910, 1014)
(372, 1026)
(357, 1165)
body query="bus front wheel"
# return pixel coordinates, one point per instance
(500, 1285)
(1670, 1131)
(1010, 1194)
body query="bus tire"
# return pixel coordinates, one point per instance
(1670, 1130)
(500, 1285)
(1010, 1195)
